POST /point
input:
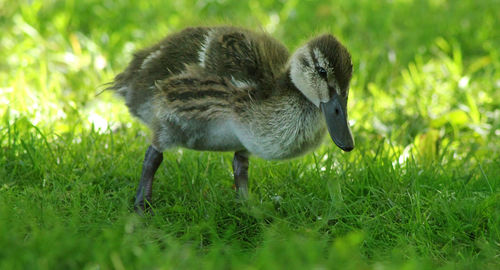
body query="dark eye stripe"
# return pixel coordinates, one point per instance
(321, 71)
(304, 62)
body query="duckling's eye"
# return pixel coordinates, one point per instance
(321, 71)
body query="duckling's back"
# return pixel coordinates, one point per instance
(238, 54)
(168, 57)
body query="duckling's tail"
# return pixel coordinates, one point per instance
(138, 98)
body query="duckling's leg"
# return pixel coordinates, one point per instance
(240, 169)
(152, 161)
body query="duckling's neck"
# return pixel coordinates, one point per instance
(286, 87)
(284, 126)
(284, 83)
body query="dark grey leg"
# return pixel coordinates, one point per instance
(152, 161)
(240, 169)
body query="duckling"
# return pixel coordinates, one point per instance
(231, 89)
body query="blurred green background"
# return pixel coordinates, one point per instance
(424, 104)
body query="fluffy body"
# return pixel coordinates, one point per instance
(230, 89)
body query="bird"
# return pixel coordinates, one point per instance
(228, 88)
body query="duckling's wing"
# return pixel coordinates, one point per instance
(196, 95)
(158, 62)
(247, 58)
(232, 54)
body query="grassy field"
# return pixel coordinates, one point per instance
(420, 191)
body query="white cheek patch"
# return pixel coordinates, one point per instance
(301, 76)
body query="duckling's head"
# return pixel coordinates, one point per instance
(322, 70)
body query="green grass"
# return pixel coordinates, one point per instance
(420, 191)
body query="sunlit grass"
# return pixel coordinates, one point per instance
(420, 190)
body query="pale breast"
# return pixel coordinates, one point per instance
(273, 147)
(281, 130)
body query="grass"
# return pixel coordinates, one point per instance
(420, 191)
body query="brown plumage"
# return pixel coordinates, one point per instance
(231, 89)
